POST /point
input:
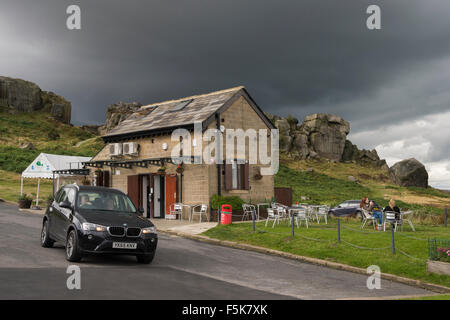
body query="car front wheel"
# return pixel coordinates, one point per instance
(46, 242)
(73, 253)
(146, 258)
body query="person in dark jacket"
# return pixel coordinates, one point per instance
(376, 212)
(393, 208)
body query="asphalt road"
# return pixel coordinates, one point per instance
(182, 269)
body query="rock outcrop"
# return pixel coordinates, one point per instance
(59, 107)
(409, 173)
(364, 157)
(118, 112)
(327, 134)
(17, 95)
(321, 136)
(21, 95)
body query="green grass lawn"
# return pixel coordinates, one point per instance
(10, 187)
(325, 245)
(325, 186)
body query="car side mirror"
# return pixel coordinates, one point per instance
(339, 206)
(140, 210)
(65, 204)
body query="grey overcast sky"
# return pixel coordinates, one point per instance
(294, 57)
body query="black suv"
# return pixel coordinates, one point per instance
(91, 220)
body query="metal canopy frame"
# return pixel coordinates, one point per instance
(138, 163)
(70, 172)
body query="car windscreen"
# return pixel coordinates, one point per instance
(104, 201)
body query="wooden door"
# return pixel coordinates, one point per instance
(133, 189)
(171, 191)
(283, 195)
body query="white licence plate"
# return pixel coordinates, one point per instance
(124, 245)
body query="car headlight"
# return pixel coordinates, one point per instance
(148, 230)
(93, 227)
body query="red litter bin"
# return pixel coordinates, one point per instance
(225, 214)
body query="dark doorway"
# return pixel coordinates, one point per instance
(157, 189)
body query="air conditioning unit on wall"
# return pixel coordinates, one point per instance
(131, 148)
(115, 149)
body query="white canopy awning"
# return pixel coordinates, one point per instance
(45, 163)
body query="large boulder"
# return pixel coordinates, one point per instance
(300, 146)
(327, 134)
(409, 173)
(20, 95)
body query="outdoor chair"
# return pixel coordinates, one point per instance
(299, 215)
(311, 213)
(200, 209)
(282, 211)
(322, 212)
(272, 214)
(367, 217)
(406, 216)
(249, 211)
(390, 218)
(174, 210)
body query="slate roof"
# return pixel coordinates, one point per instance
(163, 115)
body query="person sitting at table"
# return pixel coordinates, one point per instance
(393, 208)
(376, 212)
(365, 204)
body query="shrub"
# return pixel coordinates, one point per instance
(235, 201)
(24, 197)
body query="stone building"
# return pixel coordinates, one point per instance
(138, 156)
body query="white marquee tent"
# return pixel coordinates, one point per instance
(43, 166)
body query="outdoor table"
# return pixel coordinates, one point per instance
(295, 207)
(261, 204)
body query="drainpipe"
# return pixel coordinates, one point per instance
(218, 155)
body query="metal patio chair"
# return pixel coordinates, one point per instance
(272, 214)
(367, 217)
(200, 209)
(249, 211)
(406, 216)
(322, 211)
(176, 209)
(390, 218)
(299, 215)
(311, 212)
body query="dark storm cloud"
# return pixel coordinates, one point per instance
(295, 57)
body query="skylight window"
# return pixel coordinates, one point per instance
(181, 105)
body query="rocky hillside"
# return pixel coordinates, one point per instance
(17, 95)
(318, 137)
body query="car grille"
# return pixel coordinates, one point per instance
(117, 231)
(133, 232)
(121, 231)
